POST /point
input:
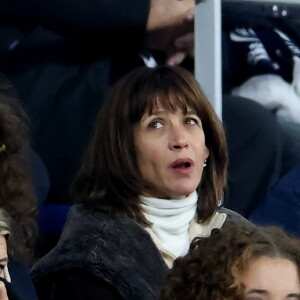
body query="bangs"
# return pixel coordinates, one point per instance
(170, 93)
(170, 102)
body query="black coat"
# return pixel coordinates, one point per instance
(101, 250)
(102, 257)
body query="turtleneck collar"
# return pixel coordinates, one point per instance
(171, 219)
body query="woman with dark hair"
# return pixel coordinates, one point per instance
(237, 263)
(152, 179)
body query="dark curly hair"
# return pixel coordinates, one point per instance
(17, 193)
(211, 268)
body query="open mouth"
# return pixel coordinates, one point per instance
(182, 165)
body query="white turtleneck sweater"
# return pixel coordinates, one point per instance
(171, 219)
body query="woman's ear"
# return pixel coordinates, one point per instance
(206, 152)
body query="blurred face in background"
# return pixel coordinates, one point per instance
(3, 255)
(269, 278)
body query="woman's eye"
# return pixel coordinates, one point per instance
(192, 121)
(156, 125)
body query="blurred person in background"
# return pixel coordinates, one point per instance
(17, 190)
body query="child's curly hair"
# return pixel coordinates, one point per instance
(209, 271)
(17, 194)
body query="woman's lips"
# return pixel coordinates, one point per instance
(182, 166)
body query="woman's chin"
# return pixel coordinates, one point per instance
(182, 193)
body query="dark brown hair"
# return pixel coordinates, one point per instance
(17, 196)
(109, 177)
(209, 271)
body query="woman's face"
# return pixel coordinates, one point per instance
(170, 152)
(3, 255)
(271, 279)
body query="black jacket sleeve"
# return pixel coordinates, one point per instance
(77, 17)
(78, 285)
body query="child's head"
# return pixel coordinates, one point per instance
(237, 263)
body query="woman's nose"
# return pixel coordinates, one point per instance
(178, 139)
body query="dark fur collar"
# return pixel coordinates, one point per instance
(115, 249)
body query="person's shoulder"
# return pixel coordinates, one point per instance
(233, 217)
(83, 217)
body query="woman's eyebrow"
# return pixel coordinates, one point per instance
(294, 295)
(157, 112)
(4, 259)
(191, 112)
